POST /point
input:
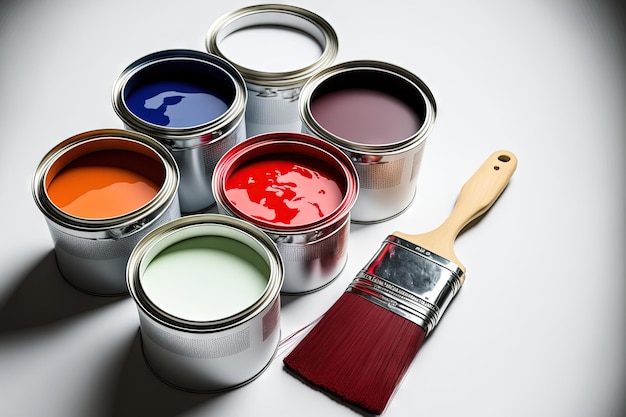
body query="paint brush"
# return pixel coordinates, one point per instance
(363, 345)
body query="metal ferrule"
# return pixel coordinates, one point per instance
(409, 281)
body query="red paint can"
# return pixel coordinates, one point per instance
(298, 189)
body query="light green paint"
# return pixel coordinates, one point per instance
(205, 278)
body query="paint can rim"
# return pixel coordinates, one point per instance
(191, 136)
(261, 144)
(114, 227)
(386, 69)
(276, 14)
(230, 227)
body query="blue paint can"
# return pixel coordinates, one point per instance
(194, 104)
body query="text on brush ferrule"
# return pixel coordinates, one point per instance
(410, 281)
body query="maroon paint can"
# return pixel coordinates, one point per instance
(380, 115)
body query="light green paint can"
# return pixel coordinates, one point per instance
(207, 289)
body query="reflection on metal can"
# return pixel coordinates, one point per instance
(380, 115)
(101, 191)
(299, 189)
(276, 48)
(194, 104)
(207, 290)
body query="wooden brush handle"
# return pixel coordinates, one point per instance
(481, 191)
(476, 197)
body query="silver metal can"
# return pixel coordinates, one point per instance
(276, 48)
(299, 190)
(207, 290)
(94, 212)
(380, 115)
(193, 103)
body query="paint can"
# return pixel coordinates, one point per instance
(276, 48)
(299, 190)
(194, 104)
(380, 115)
(207, 290)
(101, 191)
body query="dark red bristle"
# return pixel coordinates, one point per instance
(357, 352)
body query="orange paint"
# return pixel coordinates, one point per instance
(105, 184)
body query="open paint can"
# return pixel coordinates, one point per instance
(380, 115)
(207, 289)
(299, 190)
(101, 191)
(276, 48)
(194, 104)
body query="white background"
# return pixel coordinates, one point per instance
(539, 327)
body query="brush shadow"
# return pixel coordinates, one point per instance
(44, 297)
(140, 392)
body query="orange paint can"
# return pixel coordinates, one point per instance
(101, 191)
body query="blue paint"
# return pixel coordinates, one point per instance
(175, 103)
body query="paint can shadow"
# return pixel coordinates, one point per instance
(141, 393)
(43, 297)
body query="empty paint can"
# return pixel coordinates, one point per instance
(101, 191)
(207, 290)
(299, 190)
(194, 104)
(380, 115)
(276, 48)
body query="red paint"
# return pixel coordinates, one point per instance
(283, 190)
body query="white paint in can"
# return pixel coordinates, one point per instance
(276, 48)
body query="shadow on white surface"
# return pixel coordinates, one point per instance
(43, 304)
(43, 297)
(139, 392)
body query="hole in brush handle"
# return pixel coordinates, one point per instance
(480, 191)
(502, 158)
